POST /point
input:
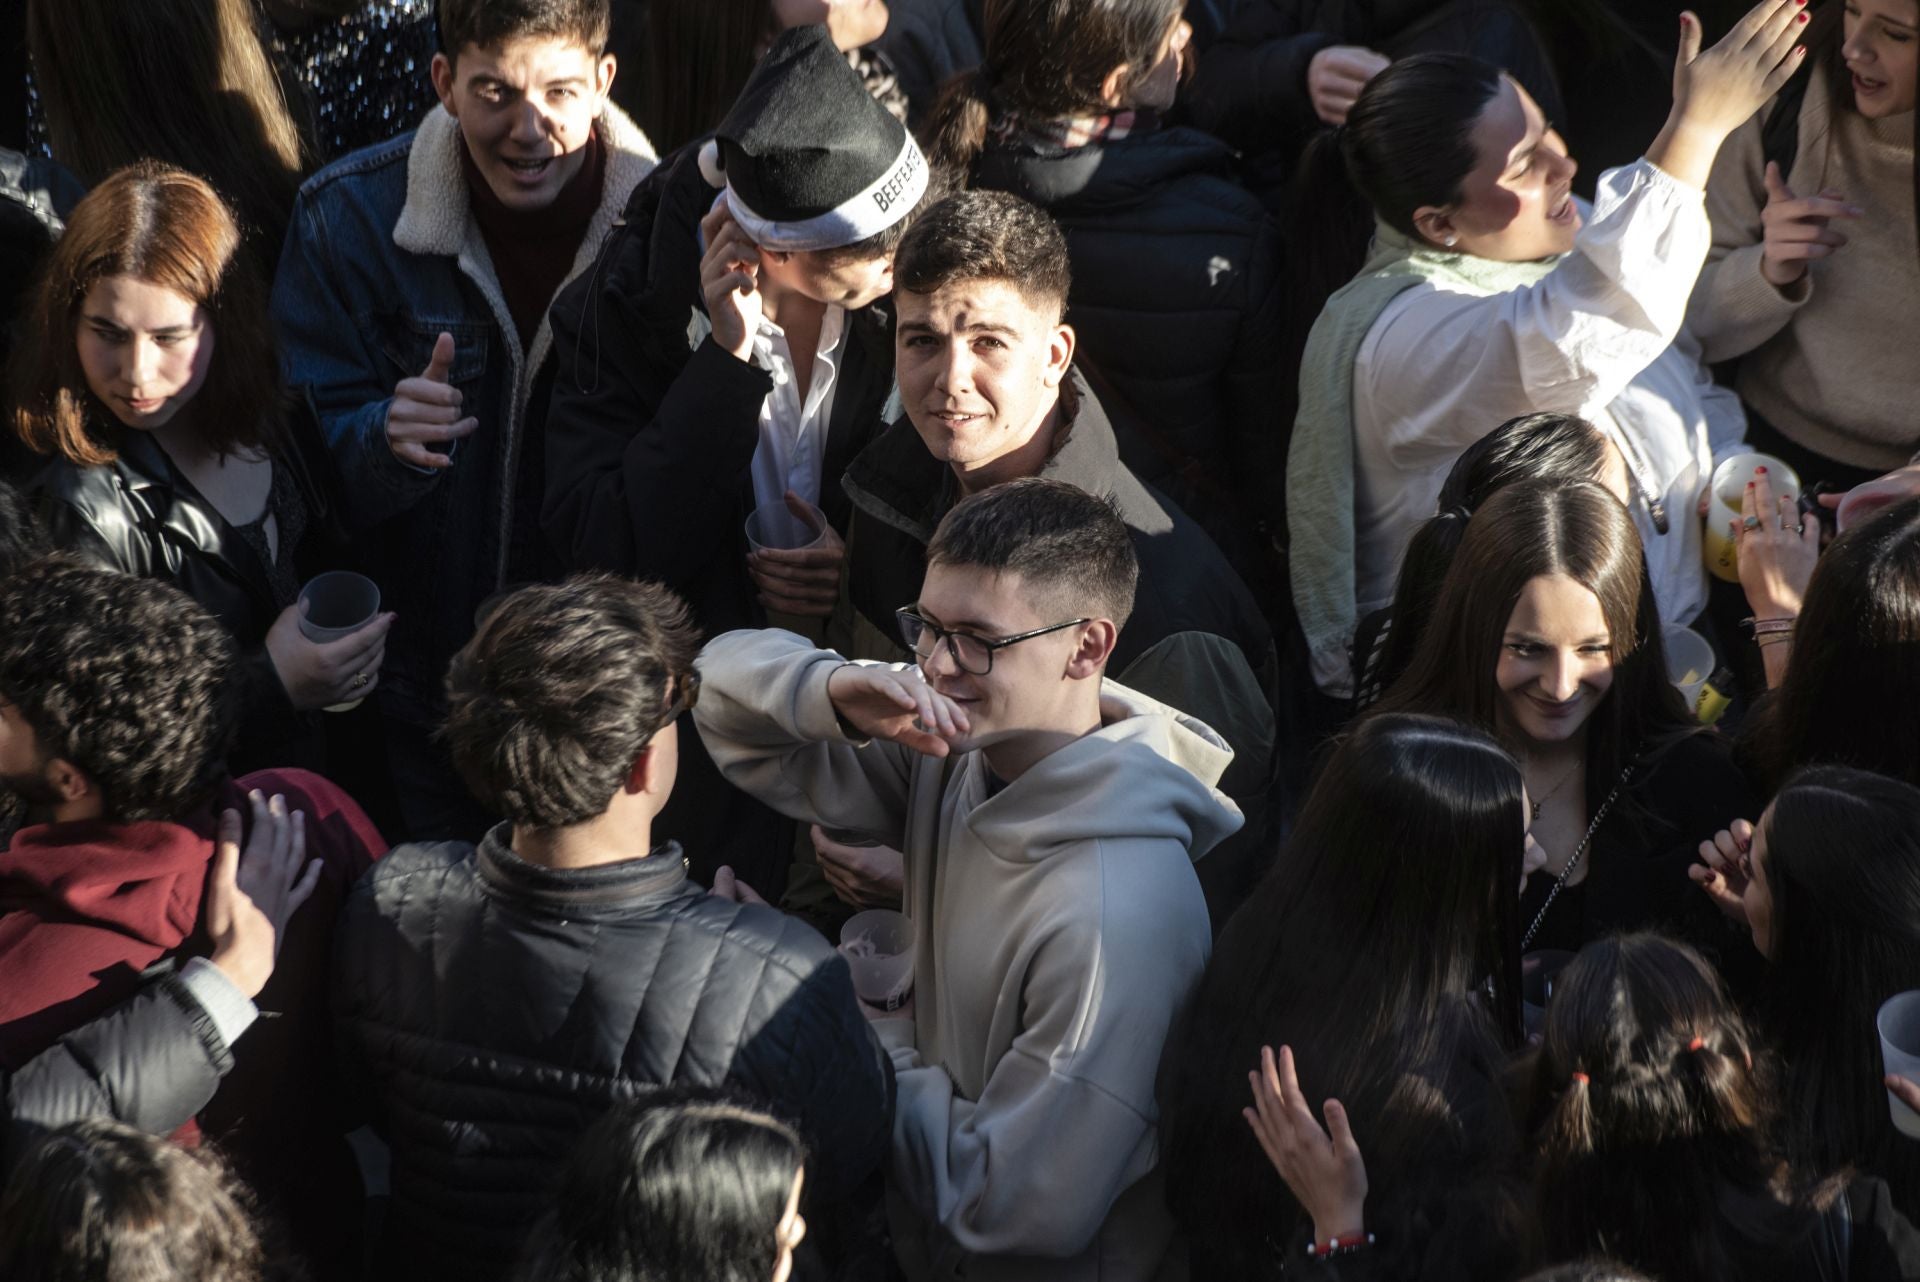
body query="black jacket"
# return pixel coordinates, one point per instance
(1176, 301)
(132, 516)
(490, 1010)
(152, 1062)
(1188, 602)
(652, 427)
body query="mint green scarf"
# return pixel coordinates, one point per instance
(1320, 466)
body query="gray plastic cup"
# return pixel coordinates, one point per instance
(1899, 1025)
(337, 604)
(878, 946)
(773, 526)
(1690, 662)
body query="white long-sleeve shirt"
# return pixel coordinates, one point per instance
(793, 431)
(1594, 337)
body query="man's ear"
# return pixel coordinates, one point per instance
(69, 782)
(1113, 89)
(441, 72)
(644, 771)
(1435, 224)
(1089, 658)
(603, 77)
(1060, 355)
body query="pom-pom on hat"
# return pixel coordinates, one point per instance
(808, 158)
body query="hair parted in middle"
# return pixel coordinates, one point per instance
(129, 679)
(165, 227)
(560, 691)
(1068, 546)
(986, 235)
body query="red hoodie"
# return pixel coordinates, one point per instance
(86, 907)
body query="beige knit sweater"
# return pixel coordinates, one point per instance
(1833, 361)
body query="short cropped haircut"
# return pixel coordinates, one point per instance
(558, 693)
(986, 235)
(1065, 544)
(485, 23)
(127, 678)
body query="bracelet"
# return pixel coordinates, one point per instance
(1348, 1244)
(1775, 639)
(1767, 627)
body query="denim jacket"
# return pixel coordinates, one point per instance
(382, 256)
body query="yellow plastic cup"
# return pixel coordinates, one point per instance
(1728, 488)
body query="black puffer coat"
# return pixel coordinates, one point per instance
(490, 1010)
(1177, 306)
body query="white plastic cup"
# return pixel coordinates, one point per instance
(1689, 662)
(334, 605)
(883, 978)
(1899, 1025)
(1728, 488)
(774, 526)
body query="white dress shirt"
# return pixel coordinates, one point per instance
(1599, 336)
(793, 435)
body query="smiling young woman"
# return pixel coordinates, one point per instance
(1546, 634)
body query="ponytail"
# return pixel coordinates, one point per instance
(955, 132)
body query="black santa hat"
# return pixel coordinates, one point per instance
(808, 159)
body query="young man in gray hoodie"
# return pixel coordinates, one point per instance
(1049, 819)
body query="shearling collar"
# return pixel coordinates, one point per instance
(438, 217)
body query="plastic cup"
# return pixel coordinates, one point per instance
(773, 526)
(878, 946)
(1690, 662)
(1728, 487)
(1899, 1025)
(335, 605)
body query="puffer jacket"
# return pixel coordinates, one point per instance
(1176, 300)
(490, 1010)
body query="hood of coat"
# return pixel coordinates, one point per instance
(1147, 773)
(1104, 176)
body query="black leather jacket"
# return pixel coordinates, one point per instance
(131, 515)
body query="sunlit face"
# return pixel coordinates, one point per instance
(1758, 896)
(980, 366)
(1517, 203)
(1533, 857)
(791, 1231)
(1029, 688)
(1162, 84)
(526, 108)
(143, 348)
(825, 278)
(1881, 51)
(1555, 663)
(851, 23)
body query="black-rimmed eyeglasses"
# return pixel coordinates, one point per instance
(970, 653)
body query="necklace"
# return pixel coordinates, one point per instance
(1535, 803)
(1560, 882)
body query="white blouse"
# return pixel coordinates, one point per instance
(1599, 336)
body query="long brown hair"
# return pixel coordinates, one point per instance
(1045, 60)
(1826, 33)
(185, 82)
(699, 55)
(168, 228)
(1526, 531)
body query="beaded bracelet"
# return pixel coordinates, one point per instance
(1348, 1244)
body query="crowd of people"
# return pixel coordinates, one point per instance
(1373, 677)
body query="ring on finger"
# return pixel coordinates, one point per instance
(359, 679)
(1750, 523)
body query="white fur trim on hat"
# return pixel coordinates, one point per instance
(708, 158)
(889, 199)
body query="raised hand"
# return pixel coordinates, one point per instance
(1797, 230)
(250, 900)
(730, 282)
(1323, 1168)
(1718, 90)
(896, 704)
(1778, 555)
(425, 411)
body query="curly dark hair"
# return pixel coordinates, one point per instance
(557, 694)
(99, 1199)
(127, 678)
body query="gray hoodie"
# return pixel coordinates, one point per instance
(1060, 932)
